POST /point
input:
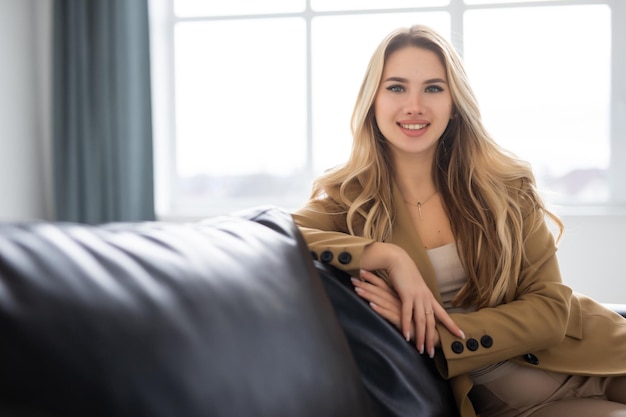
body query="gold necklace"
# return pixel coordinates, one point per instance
(421, 203)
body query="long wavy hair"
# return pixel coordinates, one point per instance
(490, 196)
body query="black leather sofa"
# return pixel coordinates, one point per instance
(226, 317)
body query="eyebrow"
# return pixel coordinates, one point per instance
(404, 80)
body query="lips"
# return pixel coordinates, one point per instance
(413, 126)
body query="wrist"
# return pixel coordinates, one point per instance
(380, 256)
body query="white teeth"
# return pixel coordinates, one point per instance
(414, 126)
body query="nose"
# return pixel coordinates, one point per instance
(415, 104)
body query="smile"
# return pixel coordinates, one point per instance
(416, 126)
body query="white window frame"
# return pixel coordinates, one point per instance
(163, 21)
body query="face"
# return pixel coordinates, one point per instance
(413, 104)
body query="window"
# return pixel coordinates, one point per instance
(252, 99)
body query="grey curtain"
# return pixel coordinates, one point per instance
(103, 158)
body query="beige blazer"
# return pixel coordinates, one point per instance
(545, 326)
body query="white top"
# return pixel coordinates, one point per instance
(450, 274)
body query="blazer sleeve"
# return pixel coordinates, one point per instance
(328, 241)
(536, 319)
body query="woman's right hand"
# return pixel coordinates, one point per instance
(418, 306)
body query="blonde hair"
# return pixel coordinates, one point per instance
(489, 195)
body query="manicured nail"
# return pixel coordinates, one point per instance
(407, 336)
(431, 353)
(462, 335)
(359, 290)
(421, 349)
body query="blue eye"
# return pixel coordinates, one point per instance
(395, 88)
(434, 89)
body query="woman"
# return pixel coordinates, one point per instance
(449, 239)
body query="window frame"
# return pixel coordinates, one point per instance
(164, 20)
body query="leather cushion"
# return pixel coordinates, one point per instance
(219, 318)
(399, 380)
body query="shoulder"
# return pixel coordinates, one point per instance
(329, 210)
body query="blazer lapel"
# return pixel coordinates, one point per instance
(405, 236)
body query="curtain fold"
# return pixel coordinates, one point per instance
(102, 118)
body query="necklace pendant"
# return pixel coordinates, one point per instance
(420, 203)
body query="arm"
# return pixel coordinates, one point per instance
(329, 241)
(419, 306)
(537, 317)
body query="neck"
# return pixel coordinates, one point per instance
(415, 182)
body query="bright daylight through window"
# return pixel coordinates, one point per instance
(253, 99)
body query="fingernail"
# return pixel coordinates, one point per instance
(431, 353)
(421, 349)
(359, 290)
(462, 335)
(407, 336)
(354, 279)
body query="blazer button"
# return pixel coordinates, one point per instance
(314, 255)
(326, 256)
(486, 341)
(532, 359)
(344, 258)
(457, 347)
(472, 344)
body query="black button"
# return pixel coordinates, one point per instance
(532, 359)
(326, 256)
(457, 347)
(472, 344)
(344, 258)
(486, 341)
(314, 255)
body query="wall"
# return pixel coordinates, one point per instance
(24, 109)
(591, 254)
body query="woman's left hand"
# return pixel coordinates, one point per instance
(384, 300)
